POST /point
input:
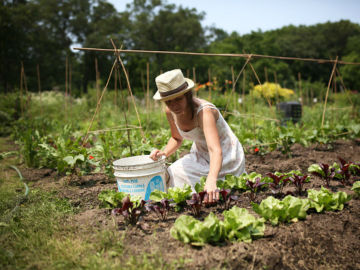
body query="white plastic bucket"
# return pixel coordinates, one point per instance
(140, 175)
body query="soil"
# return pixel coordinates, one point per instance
(328, 240)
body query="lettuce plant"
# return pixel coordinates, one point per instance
(111, 198)
(356, 188)
(238, 225)
(176, 194)
(130, 210)
(324, 200)
(237, 182)
(289, 209)
(189, 230)
(200, 186)
(355, 169)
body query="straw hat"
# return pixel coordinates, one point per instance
(172, 84)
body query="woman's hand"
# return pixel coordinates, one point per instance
(156, 154)
(212, 191)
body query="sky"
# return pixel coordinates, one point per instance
(245, 16)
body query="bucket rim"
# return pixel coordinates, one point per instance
(151, 162)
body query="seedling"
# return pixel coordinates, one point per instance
(195, 203)
(254, 187)
(131, 211)
(161, 209)
(299, 182)
(227, 198)
(278, 183)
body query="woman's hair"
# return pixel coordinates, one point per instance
(190, 101)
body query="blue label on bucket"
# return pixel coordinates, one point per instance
(155, 183)
(130, 188)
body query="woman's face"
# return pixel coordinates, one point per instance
(177, 105)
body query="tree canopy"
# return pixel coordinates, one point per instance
(43, 32)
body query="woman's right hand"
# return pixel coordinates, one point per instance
(156, 154)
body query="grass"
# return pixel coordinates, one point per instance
(35, 232)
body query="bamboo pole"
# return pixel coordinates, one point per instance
(66, 87)
(39, 87)
(210, 86)
(243, 92)
(257, 78)
(237, 78)
(233, 86)
(147, 91)
(21, 89)
(300, 89)
(97, 77)
(266, 74)
(327, 92)
(116, 91)
(98, 103)
(70, 78)
(124, 111)
(320, 61)
(129, 88)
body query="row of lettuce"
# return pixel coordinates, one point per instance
(237, 223)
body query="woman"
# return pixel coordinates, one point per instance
(216, 151)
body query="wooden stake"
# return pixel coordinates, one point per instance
(210, 86)
(124, 111)
(21, 88)
(300, 89)
(233, 86)
(98, 103)
(97, 76)
(147, 91)
(327, 93)
(66, 86)
(275, 77)
(194, 75)
(266, 74)
(116, 91)
(39, 87)
(243, 91)
(129, 88)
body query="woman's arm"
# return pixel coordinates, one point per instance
(207, 121)
(174, 142)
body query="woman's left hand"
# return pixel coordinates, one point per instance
(212, 191)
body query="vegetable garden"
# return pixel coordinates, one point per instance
(296, 208)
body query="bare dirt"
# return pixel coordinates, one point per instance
(328, 240)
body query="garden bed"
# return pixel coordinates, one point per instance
(328, 240)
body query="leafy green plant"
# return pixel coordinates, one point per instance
(278, 183)
(111, 199)
(227, 198)
(324, 171)
(161, 209)
(238, 225)
(254, 187)
(189, 230)
(356, 188)
(299, 182)
(196, 202)
(324, 200)
(289, 209)
(176, 194)
(200, 186)
(131, 210)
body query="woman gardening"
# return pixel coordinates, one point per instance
(215, 152)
